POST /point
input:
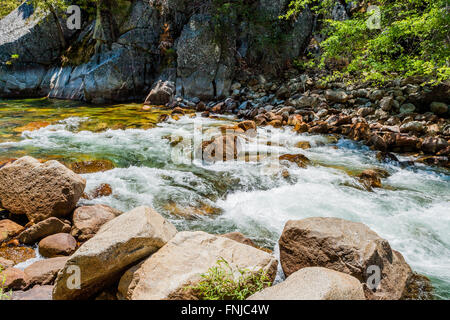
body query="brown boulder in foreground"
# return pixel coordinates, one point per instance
(347, 247)
(13, 279)
(39, 190)
(35, 293)
(314, 284)
(118, 244)
(168, 273)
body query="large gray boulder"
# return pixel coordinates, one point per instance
(314, 284)
(119, 243)
(39, 190)
(204, 66)
(347, 247)
(180, 263)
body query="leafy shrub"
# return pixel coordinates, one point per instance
(7, 6)
(221, 283)
(413, 39)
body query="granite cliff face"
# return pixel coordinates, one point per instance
(119, 54)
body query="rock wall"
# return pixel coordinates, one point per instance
(133, 49)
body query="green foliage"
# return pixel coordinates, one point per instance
(413, 40)
(4, 295)
(6, 6)
(221, 283)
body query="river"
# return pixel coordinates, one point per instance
(153, 166)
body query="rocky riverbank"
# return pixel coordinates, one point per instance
(403, 117)
(140, 255)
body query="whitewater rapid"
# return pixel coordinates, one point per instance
(411, 211)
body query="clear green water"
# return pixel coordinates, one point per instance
(411, 211)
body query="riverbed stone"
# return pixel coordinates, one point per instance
(222, 148)
(118, 244)
(204, 68)
(370, 179)
(5, 263)
(35, 293)
(17, 254)
(43, 229)
(407, 108)
(91, 166)
(60, 244)
(344, 246)
(9, 229)
(432, 145)
(87, 220)
(439, 108)
(412, 126)
(338, 96)
(299, 159)
(44, 272)
(314, 283)
(39, 190)
(179, 264)
(14, 279)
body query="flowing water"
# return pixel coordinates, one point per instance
(154, 167)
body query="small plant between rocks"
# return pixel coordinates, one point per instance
(221, 283)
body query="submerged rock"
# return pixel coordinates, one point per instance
(168, 273)
(314, 283)
(432, 145)
(91, 166)
(299, 159)
(39, 190)
(191, 211)
(370, 179)
(13, 279)
(118, 244)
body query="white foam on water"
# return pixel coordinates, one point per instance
(412, 213)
